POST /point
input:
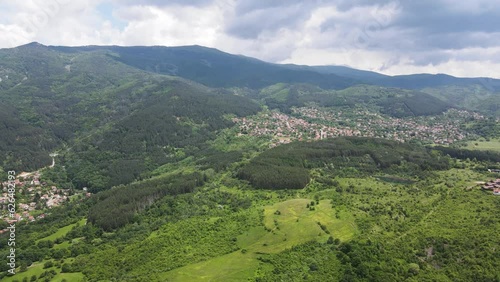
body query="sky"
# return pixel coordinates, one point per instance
(460, 38)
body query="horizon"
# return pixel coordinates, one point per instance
(244, 55)
(389, 37)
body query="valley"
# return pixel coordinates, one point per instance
(172, 165)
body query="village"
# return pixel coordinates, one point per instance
(34, 197)
(493, 185)
(307, 123)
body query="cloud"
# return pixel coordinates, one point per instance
(385, 35)
(162, 3)
(251, 24)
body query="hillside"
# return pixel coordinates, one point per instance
(191, 164)
(394, 102)
(354, 219)
(412, 81)
(73, 98)
(212, 67)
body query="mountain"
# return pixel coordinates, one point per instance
(360, 75)
(82, 102)
(83, 99)
(215, 68)
(212, 67)
(172, 166)
(412, 81)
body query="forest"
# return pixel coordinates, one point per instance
(163, 180)
(287, 166)
(394, 102)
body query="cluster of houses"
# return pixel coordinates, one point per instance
(33, 196)
(308, 123)
(493, 185)
(285, 129)
(443, 129)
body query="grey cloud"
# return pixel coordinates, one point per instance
(246, 6)
(435, 17)
(427, 31)
(251, 24)
(164, 3)
(346, 5)
(251, 18)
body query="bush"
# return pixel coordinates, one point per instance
(48, 264)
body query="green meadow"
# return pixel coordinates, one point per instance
(62, 231)
(285, 225)
(492, 145)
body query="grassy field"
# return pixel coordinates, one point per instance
(223, 268)
(73, 277)
(492, 145)
(294, 224)
(63, 245)
(62, 231)
(37, 269)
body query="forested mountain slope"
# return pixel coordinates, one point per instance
(190, 164)
(69, 99)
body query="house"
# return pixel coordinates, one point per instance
(490, 185)
(493, 185)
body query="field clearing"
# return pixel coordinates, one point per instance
(492, 145)
(73, 277)
(235, 266)
(294, 224)
(62, 231)
(63, 245)
(37, 269)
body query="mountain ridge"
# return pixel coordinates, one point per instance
(402, 80)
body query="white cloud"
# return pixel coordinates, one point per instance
(177, 25)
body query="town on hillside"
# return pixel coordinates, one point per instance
(34, 197)
(307, 123)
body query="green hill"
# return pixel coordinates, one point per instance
(287, 166)
(189, 181)
(111, 121)
(212, 67)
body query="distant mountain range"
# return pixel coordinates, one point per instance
(171, 165)
(85, 99)
(219, 69)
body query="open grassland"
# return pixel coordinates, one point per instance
(62, 231)
(37, 269)
(285, 225)
(235, 266)
(492, 145)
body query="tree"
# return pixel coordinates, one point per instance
(330, 240)
(66, 268)
(48, 264)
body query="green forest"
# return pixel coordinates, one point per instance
(147, 164)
